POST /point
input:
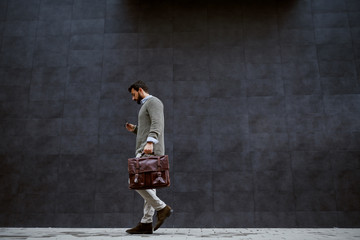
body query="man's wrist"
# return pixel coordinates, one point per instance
(134, 128)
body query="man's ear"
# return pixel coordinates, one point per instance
(141, 91)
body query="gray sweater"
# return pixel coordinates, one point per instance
(150, 124)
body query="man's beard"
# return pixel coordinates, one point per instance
(139, 99)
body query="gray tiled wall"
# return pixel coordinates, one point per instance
(262, 107)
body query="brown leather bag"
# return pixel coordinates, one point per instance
(149, 172)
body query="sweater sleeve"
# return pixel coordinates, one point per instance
(156, 113)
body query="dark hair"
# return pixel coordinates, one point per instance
(139, 84)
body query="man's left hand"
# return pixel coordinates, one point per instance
(149, 148)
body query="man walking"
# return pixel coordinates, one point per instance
(149, 140)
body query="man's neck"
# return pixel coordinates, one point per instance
(145, 98)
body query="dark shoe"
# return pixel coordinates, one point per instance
(162, 215)
(141, 228)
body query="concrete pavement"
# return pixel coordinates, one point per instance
(181, 233)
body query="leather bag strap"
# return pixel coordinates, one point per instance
(137, 169)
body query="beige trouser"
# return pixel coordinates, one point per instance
(151, 203)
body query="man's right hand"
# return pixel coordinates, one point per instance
(130, 127)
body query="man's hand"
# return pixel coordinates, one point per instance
(149, 148)
(130, 127)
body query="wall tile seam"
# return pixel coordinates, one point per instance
(353, 44)
(61, 153)
(5, 19)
